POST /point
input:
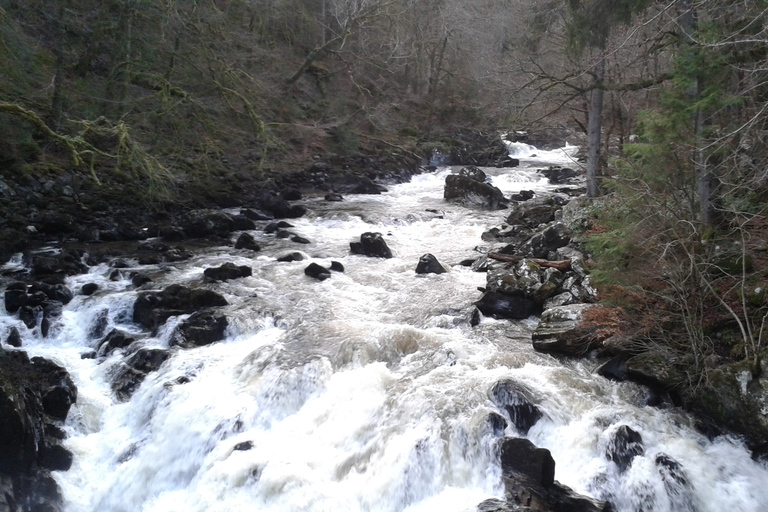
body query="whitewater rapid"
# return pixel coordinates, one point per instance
(368, 391)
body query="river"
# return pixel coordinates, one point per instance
(368, 391)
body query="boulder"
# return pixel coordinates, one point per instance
(523, 195)
(562, 331)
(291, 194)
(501, 305)
(114, 340)
(336, 266)
(334, 197)
(280, 208)
(533, 213)
(67, 262)
(614, 369)
(227, 271)
(89, 288)
(246, 241)
(559, 175)
(250, 214)
(473, 194)
(624, 445)
(52, 311)
(294, 256)
(515, 399)
(200, 329)
(300, 240)
(371, 244)
(549, 240)
(523, 457)
(428, 264)
(140, 279)
(317, 272)
(151, 309)
(135, 369)
(14, 338)
(206, 223)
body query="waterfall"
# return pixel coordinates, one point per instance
(367, 391)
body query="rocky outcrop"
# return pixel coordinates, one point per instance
(35, 397)
(200, 329)
(471, 193)
(562, 331)
(371, 244)
(528, 474)
(152, 309)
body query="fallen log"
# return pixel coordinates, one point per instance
(561, 265)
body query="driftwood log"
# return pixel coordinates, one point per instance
(561, 265)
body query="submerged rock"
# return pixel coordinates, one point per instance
(246, 241)
(201, 328)
(317, 271)
(227, 271)
(152, 309)
(515, 399)
(623, 446)
(135, 369)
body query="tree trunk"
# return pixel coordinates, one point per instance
(594, 128)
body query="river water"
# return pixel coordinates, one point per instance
(368, 391)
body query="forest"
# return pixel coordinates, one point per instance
(153, 101)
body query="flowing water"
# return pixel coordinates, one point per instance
(364, 392)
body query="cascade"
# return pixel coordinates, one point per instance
(368, 390)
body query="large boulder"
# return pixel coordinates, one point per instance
(624, 444)
(472, 193)
(501, 305)
(542, 244)
(152, 309)
(205, 223)
(515, 399)
(562, 330)
(201, 328)
(35, 397)
(474, 173)
(371, 244)
(428, 264)
(317, 272)
(533, 213)
(227, 271)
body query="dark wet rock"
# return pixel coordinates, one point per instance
(68, 262)
(528, 474)
(246, 241)
(371, 244)
(317, 272)
(562, 331)
(114, 340)
(135, 369)
(523, 195)
(29, 315)
(523, 457)
(676, 483)
(52, 311)
(294, 256)
(473, 194)
(515, 399)
(532, 213)
(274, 227)
(501, 305)
(508, 162)
(119, 263)
(89, 288)
(559, 175)
(115, 275)
(151, 309)
(55, 292)
(614, 369)
(14, 337)
(88, 354)
(172, 234)
(244, 446)
(624, 445)
(227, 271)
(98, 327)
(475, 317)
(334, 197)
(243, 223)
(428, 264)
(365, 185)
(154, 252)
(497, 423)
(291, 194)
(474, 173)
(200, 329)
(336, 266)
(280, 208)
(300, 239)
(139, 279)
(16, 297)
(282, 233)
(33, 394)
(495, 505)
(206, 223)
